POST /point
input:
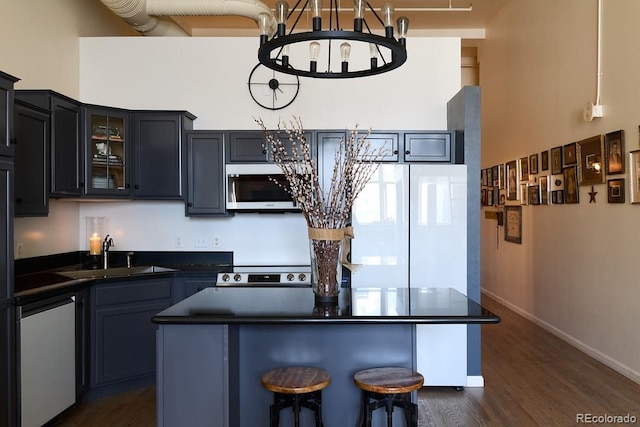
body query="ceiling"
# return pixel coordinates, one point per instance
(420, 18)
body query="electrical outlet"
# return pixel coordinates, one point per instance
(201, 242)
(19, 249)
(178, 241)
(217, 241)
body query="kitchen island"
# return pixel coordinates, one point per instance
(213, 347)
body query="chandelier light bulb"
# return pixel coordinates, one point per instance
(282, 11)
(358, 14)
(345, 51)
(314, 51)
(373, 52)
(387, 14)
(263, 24)
(403, 27)
(316, 8)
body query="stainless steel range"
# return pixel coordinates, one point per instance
(262, 276)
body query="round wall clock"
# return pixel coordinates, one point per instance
(271, 89)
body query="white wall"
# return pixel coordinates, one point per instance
(208, 77)
(576, 271)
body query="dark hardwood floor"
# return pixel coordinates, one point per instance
(531, 378)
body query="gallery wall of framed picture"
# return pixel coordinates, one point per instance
(553, 177)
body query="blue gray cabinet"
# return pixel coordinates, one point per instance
(6, 113)
(31, 160)
(106, 152)
(66, 162)
(205, 174)
(83, 315)
(123, 337)
(8, 391)
(429, 146)
(185, 286)
(159, 163)
(246, 147)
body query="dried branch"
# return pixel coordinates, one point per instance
(355, 161)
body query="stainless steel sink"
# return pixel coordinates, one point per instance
(114, 272)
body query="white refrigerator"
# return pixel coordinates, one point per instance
(410, 225)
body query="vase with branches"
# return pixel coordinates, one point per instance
(327, 211)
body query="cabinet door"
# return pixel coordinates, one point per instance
(125, 342)
(31, 161)
(123, 339)
(8, 367)
(66, 148)
(427, 147)
(82, 341)
(159, 169)
(388, 142)
(6, 228)
(205, 174)
(328, 142)
(107, 153)
(246, 147)
(6, 114)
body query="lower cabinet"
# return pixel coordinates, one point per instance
(123, 339)
(184, 287)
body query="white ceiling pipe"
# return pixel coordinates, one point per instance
(141, 14)
(134, 13)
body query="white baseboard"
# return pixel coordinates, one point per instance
(475, 381)
(621, 368)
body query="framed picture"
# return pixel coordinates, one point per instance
(524, 169)
(483, 197)
(571, 190)
(524, 193)
(615, 190)
(496, 176)
(533, 164)
(569, 156)
(590, 167)
(534, 195)
(544, 160)
(512, 180)
(513, 224)
(544, 190)
(496, 196)
(503, 197)
(489, 200)
(489, 177)
(483, 177)
(556, 160)
(557, 197)
(614, 149)
(501, 175)
(634, 177)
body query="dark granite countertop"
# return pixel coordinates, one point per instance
(296, 305)
(40, 277)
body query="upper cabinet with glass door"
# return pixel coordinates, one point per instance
(107, 152)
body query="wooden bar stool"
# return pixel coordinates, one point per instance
(388, 387)
(295, 387)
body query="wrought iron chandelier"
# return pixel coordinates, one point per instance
(299, 53)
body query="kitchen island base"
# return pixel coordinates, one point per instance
(209, 375)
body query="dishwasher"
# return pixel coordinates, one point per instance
(47, 359)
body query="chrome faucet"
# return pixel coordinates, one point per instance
(106, 244)
(129, 259)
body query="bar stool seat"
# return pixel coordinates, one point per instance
(296, 387)
(388, 387)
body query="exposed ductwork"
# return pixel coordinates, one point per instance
(143, 14)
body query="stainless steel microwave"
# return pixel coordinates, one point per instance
(255, 187)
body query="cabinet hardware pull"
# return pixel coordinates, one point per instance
(14, 141)
(407, 152)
